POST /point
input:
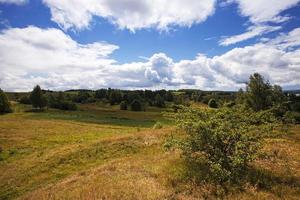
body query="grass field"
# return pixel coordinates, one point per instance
(100, 152)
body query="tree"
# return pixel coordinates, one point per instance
(212, 103)
(259, 93)
(123, 105)
(5, 106)
(226, 140)
(240, 96)
(169, 96)
(24, 100)
(115, 97)
(37, 98)
(159, 101)
(136, 105)
(100, 94)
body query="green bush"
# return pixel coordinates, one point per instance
(38, 100)
(5, 106)
(158, 125)
(123, 105)
(212, 103)
(66, 105)
(136, 105)
(227, 140)
(24, 100)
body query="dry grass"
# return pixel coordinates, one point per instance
(46, 158)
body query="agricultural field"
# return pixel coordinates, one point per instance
(101, 152)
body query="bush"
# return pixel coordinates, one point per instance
(157, 125)
(24, 100)
(5, 106)
(229, 104)
(66, 105)
(123, 105)
(37, 98)
(295, 106)
(136, 105)
(58, 101)
(227, 140)
(295, 116)
(212, 103)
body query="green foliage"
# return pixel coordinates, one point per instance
(59, 101)
(227, 139)
(169, 96)
(295, 106)
(159, 101)
(260, 95)
(158, 125)
(115, 97)
(82, 97)
(5, 106)
(38, 100)
(100, 94)
(24, 100)
(229, 104)
(212, 103)
(136, 105)
(123, 105)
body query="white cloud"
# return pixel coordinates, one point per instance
(18, 2)
(265, 10)
(130, 14)
(252, 31)
(260, 14)
(52, 59)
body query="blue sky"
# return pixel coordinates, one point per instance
(133, 44)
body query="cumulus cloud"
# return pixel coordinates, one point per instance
(54, 60)
(18, 2)
(265, 10)
(130, 14)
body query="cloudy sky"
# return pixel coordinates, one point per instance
(153, 44)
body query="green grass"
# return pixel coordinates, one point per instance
(92, 113)
(100, 152)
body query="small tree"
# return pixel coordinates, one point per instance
(115, 97)
(159, 101)
(123, 105)
(5, 106)
(24, 100)
(226, 139)
(212, 103)
(136, 105)
(37, 98)
(259, 93)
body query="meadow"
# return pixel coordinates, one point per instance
(101, 152)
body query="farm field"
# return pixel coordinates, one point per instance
(101, 152)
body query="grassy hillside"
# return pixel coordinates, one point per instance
(100, 152)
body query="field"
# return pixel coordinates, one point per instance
(100, 152)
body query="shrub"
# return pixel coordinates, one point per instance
(136, 105)
(159, 101)
(157, 125)
(226, 139)
(212, 103)
(66, 105)
(5, 106)
(229, 104)
(123, 105)
(37, 98)
(24, 100)
(295, 106)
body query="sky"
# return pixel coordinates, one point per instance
(148, 44)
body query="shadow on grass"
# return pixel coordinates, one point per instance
(262, 179)
(35, 110)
